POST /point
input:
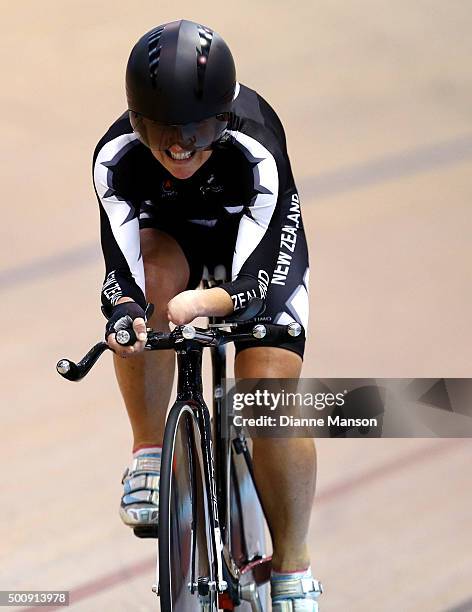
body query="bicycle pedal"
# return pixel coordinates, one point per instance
(146, 532)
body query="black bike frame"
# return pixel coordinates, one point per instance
(190, 390)
(222, 442)
(217, 481)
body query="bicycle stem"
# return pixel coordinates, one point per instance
(189, 382)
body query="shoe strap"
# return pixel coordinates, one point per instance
(140, 497)
(142, 463)
(291, 588)
(141, 481)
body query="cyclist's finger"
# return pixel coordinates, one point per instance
(139, 346)
(139, 327)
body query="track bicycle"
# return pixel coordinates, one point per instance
(211, 533)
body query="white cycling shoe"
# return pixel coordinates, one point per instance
(294, 594)
(139, 506)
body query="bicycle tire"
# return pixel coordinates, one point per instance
(182, 516)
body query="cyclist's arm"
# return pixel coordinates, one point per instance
(119, 229)
(188, 305)
(260, 229)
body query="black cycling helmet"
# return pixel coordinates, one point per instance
(180, 83)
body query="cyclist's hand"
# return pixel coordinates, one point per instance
(184, 307)
(127, 315)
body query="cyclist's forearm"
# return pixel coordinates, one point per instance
(215, 302)
(188, 305)
(120, 286)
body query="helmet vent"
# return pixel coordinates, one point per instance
(206, 37)
(154, 53)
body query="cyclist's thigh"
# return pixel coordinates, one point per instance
(193, 242)
(166, 269)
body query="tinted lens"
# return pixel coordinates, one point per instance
(191, 136)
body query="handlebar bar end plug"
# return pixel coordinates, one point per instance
(63, 366)
(123, 337)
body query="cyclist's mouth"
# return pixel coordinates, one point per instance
(181, 156)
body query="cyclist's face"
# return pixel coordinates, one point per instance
(186, 166)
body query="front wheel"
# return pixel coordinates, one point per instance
(185, 573)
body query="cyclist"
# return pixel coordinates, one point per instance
(196, 173)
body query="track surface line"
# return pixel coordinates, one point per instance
(465, 606)
(409, 162)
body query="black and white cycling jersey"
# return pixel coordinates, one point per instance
(243, 201)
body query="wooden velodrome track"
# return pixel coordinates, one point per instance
(376, 98)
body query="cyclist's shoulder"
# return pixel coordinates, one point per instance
(256, 119)
(119, 158)
(118, 138)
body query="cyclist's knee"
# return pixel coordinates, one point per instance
(267, 362)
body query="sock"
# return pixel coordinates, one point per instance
(291, 575)
(147, 451)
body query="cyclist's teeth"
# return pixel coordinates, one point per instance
(180, 156)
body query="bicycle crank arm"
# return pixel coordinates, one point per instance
(249, 593)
